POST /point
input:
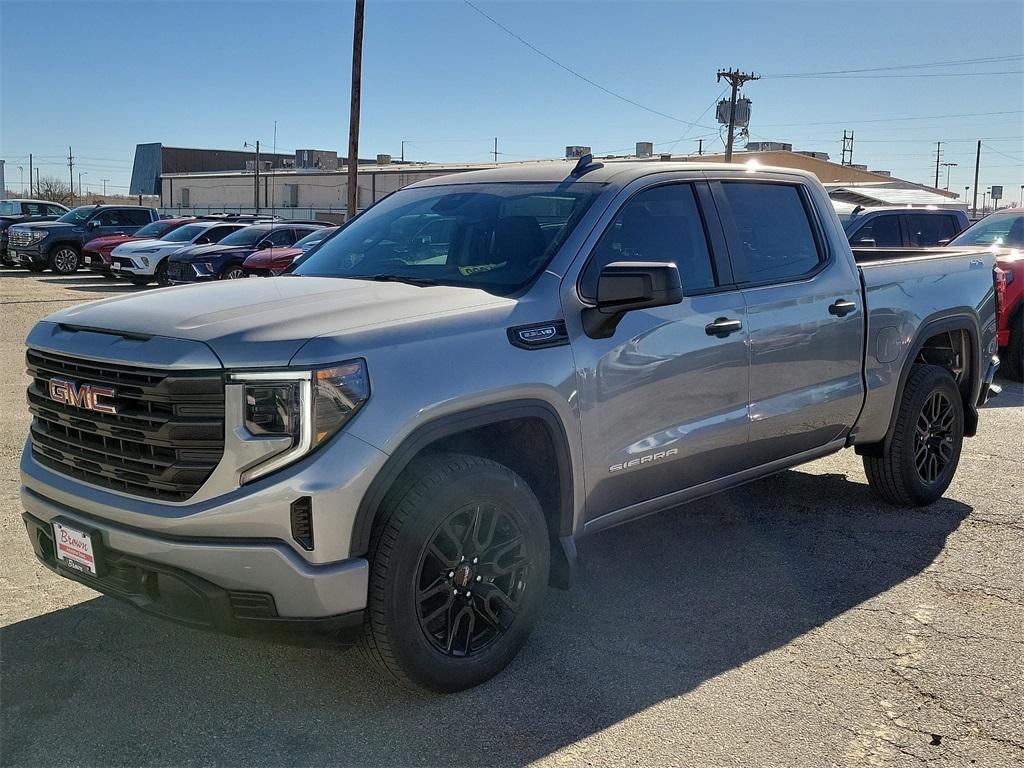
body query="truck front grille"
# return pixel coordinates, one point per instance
(163, 443)
(19, 237)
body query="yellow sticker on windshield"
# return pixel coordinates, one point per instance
(473, 269)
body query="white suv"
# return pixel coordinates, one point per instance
(143, 261)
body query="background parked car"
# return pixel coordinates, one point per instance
(18, 210)
(144, 261)
(275, 260)
(1004, 232)
(902, 227)
(96, 253)
(58, 244)
(224, 260)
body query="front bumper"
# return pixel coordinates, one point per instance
(95, 262)
(211, 582)
(27, 255)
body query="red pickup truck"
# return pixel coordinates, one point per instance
(96, 252)
(1004, 232)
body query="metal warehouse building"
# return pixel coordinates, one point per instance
(154, 160)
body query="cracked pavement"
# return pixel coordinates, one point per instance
(797, 621)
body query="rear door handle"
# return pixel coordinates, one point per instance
(722, 327)
(841, 307)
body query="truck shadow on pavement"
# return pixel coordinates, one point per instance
(662, 606)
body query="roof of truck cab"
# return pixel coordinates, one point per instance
(600, 171)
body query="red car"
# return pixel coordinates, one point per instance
(96, 252)
(274, 261)
(1004, 232)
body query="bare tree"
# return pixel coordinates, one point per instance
(54, 190)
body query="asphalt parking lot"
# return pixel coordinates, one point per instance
(795, 621)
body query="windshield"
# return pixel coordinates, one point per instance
(307, 242)
(156, 229)
(246, 236)
(492, 236)
(1006, 229)
(185, 234)
(77, 215)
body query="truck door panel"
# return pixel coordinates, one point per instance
(663, 404)
(805, 319)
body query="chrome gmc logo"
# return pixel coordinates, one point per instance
(81, 396)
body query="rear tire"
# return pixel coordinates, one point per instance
(64, 259)
(1013, 353)
(458, 570)
(926, 441)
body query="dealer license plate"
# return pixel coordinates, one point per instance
(116, 267)
(74, 548)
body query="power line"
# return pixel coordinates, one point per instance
(918, 74)
(897, 119)
(926, 65)
(576, 74)
(998, 152)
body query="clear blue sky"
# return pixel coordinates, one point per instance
(103, 76)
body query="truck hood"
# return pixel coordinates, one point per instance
(50, 226)
(264, 322)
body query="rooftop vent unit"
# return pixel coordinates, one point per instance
(383, 159)
(575, 152)
(815, 155)
(644, 149)
(881, 173)
(769, 146)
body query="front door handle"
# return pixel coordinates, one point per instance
(722, 327)
(841, 307)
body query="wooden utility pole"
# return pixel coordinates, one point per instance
(71, 174)
(30, 174)
(353, 114)
(938, 158)
(495, 152)
(736, 79)
(700, 146)
(977, 168)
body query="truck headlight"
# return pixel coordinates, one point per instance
(295, 412)
(35, 235)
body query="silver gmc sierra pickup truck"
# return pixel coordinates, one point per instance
(406, 435)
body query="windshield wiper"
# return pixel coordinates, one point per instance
(420, 281)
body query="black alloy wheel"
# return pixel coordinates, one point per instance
(473, 573)
(933, 437)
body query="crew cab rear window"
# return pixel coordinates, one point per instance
(928, 229)
(137, 218)
(774, 235)
(658, 224)
(882, 231)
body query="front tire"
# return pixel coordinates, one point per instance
(926, 441)
(234, 272)
(64, 259)
(161, 274)
(458, 570)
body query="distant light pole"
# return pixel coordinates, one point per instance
(80, 175)
(104, 188)
(21, 170)
(256, 178)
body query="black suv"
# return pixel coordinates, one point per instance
(58, 244)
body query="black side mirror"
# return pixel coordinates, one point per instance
(93, 224)
(625, 286)
(203, 241)
(264, 245)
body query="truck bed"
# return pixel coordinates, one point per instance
(906, 289)
(875, 255)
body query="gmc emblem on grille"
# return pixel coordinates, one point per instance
(82, 395)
